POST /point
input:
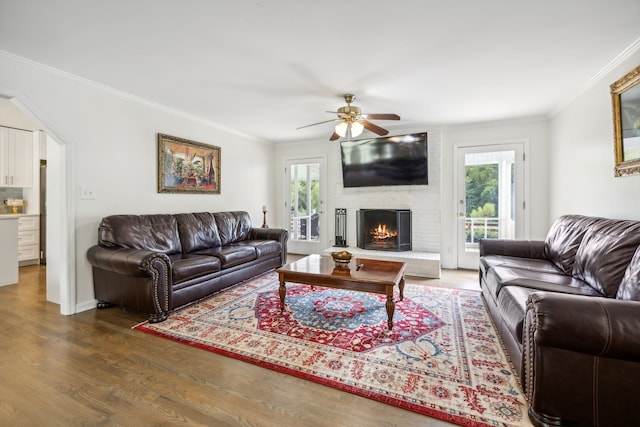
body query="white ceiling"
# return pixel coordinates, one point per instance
(264, 68)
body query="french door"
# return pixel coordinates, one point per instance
(490, 199)
(304, 205)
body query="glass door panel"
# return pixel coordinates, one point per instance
(489, 197)
(305, 205)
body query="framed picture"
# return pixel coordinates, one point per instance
(625, 94)
(187, 166)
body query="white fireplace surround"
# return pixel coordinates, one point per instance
(424, 201)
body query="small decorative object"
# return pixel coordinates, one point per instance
(342, 271)
(341, 258)
(187, 166)
(625, 96)
(264, 217)
(17, 205)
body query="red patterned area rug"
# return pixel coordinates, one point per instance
(442, 358)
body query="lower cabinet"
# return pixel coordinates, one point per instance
(29, 239)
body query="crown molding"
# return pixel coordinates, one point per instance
(121, 94)
(615, 62)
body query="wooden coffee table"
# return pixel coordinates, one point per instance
(364, 275)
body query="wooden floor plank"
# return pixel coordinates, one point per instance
(91, 368)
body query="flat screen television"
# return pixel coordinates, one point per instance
(391, 160)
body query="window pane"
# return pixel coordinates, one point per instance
(305, 201)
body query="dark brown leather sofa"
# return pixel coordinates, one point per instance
(568, 312)
(157, 263)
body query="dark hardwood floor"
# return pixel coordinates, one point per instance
(92, 369)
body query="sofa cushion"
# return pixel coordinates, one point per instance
(564, 238)
(198, 231)
(605, 253)
(158, 233)
(264, 248)
(231, 255)
(542, 265)
(630, 286)
(499, 277)
(233, 226)
(185, 267)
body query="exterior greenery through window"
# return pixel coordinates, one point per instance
(482, 201)
(302, 197)
(305, 201)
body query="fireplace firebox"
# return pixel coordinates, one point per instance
(384, 229)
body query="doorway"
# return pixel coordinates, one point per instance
(60, 261)
(490, 197)
(304, 205)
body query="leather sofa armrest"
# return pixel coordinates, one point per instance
(514, 248)
(268, 234)
(279, 234)
(131, 262)
(154, 267)
(597, 326)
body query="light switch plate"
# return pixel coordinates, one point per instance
(87, 193)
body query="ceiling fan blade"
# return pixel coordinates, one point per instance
(334, 136)
(319, 123)
(374, 128)
(386, 116)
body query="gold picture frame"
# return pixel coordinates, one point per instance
(186, 166)
(625, 95)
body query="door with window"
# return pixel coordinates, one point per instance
(490, 199)
(304, 205)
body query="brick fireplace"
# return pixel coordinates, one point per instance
(384, 229)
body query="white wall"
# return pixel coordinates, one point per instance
(110, 143)
(582, 156)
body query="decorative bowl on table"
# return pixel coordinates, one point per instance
(341, 258)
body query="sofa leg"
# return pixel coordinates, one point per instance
(158, 317)
(104, 304)
(542, 420)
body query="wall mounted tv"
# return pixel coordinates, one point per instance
(392, 160)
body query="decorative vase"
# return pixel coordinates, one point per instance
(341, 258)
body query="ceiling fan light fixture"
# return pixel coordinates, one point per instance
(356, 129)
(343, 127)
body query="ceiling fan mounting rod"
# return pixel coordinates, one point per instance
(349, 98)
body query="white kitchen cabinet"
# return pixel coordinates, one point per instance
(8, 250)
(29, 239)
(16, 158)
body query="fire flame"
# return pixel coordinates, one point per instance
(381, 232)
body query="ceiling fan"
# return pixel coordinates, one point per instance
(353, 121)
